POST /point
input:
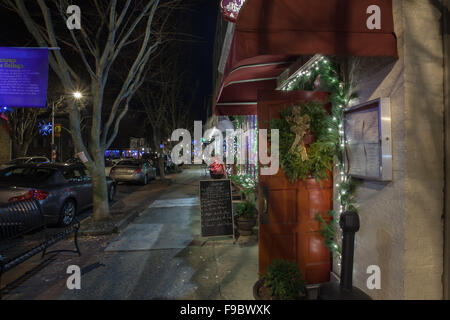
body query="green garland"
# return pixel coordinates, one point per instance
(238, 121)
(328, 72)
(320, 153)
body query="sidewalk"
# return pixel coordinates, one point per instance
(159, 255)
(125, 210)
(169, 259)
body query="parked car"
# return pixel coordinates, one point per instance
(133, 170)
(74, 160)
(109, 163)
(62, 189)
(25, 160)
(169, 165)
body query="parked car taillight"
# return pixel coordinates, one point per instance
(39, 194)
(138, 170)
(36, 194)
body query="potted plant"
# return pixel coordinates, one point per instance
(246, 211)
(217, 170)
(246, 217)
(283, 280)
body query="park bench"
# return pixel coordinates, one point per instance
(24, 234)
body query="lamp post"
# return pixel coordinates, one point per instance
(54, 106)
(77, 95)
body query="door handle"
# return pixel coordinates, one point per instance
(264, 205)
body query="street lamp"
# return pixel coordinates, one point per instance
(77, 95)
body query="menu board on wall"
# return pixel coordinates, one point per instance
(216, 208)
(368, 151)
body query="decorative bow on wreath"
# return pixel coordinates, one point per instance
(299, 126)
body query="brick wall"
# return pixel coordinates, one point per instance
(5, 145)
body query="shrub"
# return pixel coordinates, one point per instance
(285, 279)
(246, 209)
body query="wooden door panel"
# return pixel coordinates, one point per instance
(282, 207)
(277, 245)
(313, 260)
(313, 200)
(290, 232)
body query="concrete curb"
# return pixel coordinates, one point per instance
(107, 227)
(118, 223)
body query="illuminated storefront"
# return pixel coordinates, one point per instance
(389, 50)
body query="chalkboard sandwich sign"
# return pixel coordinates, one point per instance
(216, 208)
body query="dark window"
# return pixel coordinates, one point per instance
(76, 174)
(18, 161)
(26, 173)
(38, 160)
(128, 163)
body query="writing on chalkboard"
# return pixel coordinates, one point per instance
(216, 208)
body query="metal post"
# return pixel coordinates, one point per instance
(53, 124)
(348, 247)
(53, 134)
(349, 223)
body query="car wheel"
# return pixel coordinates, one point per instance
(111, 193)
(67, 213)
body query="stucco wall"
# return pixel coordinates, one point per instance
(424, 139)
(401, 227)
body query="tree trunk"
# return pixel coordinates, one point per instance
(99, 194)
(157, 143)
(20, 149)
(162, 174)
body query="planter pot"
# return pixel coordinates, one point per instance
(257, 292)
(216, 176)
(256, 288)
(245, 226)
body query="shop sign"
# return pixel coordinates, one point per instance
(230, 9)
(58, 129)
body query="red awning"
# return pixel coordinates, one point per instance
(238, 94)
(278, 31)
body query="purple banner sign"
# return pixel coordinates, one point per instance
(23, 77)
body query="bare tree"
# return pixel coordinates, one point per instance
(153, 99)
(167, 98)
(108, 27)
(179, 102)
(22, 123)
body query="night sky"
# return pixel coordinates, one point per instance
(200, 21)
(204, 25)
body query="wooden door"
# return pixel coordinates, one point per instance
(287, 228)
